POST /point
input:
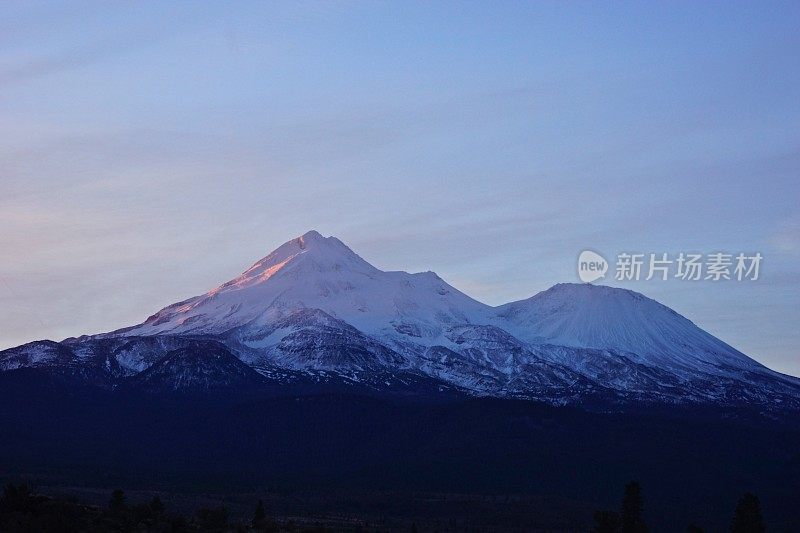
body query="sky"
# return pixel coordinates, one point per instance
(150, 151)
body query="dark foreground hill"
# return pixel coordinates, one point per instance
(692, 464)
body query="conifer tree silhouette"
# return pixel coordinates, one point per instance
(747, 516)
(631, 512)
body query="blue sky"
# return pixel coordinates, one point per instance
(150, 151)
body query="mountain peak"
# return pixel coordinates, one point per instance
(317, 272)
(323, 252)
(589, 290)
(583, 315)
(310, 237)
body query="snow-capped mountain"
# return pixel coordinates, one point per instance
(590, 316)
(314, 308)
(314, 272)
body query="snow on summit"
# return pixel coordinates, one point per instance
(322, 273)
(596, 316)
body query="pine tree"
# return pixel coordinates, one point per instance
(156, 506)
(16, 497)
(747, 517)
(260, 515)
(117, 502)
(631, 513)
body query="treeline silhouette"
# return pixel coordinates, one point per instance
(21, 510)
(746, 516)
